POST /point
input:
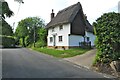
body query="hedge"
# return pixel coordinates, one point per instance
(7, 41)
(107, 31)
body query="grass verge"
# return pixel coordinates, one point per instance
(62, 53)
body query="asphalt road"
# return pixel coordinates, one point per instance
(0, 64)
(24, 63)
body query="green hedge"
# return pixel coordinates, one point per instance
(107, 30)
(7, 41)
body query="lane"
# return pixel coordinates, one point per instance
(24, 63)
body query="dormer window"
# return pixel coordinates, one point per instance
(53, 29)
(60, 27)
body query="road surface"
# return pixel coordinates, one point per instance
(24, 63)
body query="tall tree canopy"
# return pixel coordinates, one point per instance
(107, 30)
(22, 31)
(28, 27)
(5, 10)
(5, 28)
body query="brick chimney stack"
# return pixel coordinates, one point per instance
(52, 14)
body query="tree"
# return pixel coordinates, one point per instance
(6, 39)
(42, 40)
(5, 10)
(22, 31)
(33, 25)
(6, 28)
(107, 37)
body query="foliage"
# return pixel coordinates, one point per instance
(28, 27)
(22, 31)
(7, 41)
(107, 37)
(6, 31)
(62, 53)
(5, 10)
(5, 28)
(42, 38)
(39, 44)
(34, 25)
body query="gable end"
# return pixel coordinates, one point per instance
(78, 24)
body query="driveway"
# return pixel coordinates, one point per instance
(85, 59)
(24, 63)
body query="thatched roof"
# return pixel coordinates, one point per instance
(67, 15)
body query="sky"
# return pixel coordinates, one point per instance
(43, 8)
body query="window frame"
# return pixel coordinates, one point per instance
(51, 39)
(60, 38)
(53, 29)
(61, 27)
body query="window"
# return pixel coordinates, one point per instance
(53, 29)
(51, 39)
(60, 38)
(60, 27)
(88, 38)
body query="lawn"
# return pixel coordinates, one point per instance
(62, 53)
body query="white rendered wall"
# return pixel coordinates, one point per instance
(75, 39)
(64, 32)
(91, 36)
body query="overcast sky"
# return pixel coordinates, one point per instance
(42, 8)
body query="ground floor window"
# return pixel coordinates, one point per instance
(60, 38)
(51, 39)
(88, 39)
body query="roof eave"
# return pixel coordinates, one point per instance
(51, 26)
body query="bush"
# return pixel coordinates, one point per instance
(39, 44)
(7, 41)
(107, 37)
(27, 42)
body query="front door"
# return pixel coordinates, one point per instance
(54, 40)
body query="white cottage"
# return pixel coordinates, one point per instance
(68, 28)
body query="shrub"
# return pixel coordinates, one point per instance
(107, 37)
(40, 44)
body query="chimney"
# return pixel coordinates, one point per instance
(52, 14)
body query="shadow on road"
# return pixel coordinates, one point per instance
(11, 47)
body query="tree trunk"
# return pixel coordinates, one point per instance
(23, 39)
